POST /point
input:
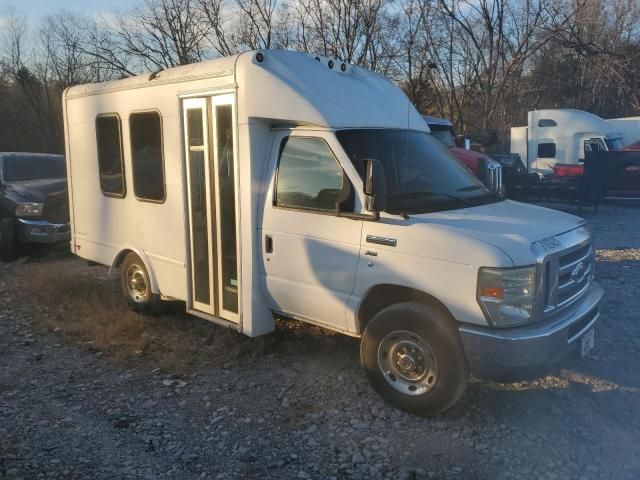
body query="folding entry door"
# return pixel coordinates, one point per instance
(212, 179)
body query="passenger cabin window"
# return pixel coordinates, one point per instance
(146, 156)
(547, 122)
(546, 150)
(110, 162)
(309, 176)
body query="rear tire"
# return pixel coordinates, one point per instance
(414, 359)
(136, 285)
(8, 240)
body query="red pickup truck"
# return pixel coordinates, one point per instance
(480, 164)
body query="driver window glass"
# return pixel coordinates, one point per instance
(308, 175)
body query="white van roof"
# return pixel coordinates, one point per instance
(287, 87)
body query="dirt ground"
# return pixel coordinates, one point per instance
(89, 390)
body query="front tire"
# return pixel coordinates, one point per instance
(414, 359)
(8, 240)
(136, 285)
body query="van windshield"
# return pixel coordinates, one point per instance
(22, 168)
(421, 174)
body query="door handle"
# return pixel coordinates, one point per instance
(268, 244)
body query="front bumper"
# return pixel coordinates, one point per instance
(41, 231)
(525, 352)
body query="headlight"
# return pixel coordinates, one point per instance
(29, 209)
(507, 294)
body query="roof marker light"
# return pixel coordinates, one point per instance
(343, 67)
(259, 57)
(330, 63)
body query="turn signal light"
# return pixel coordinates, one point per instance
(492, 292)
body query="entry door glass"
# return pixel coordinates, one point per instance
(226, 203)
(199, 196)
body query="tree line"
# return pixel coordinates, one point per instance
(481, 63)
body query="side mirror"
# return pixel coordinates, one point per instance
(375, 186)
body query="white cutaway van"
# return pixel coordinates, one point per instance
(279, 183)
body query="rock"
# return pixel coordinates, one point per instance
(171, 382)
(125, 421)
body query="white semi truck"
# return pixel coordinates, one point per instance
(274, 183)
(561, 136)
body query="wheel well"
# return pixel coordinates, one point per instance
(120, 258)
(117, 262)
(382, 296)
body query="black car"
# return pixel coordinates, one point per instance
(34, 206)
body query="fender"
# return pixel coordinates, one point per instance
(119, 258)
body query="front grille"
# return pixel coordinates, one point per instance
(568, 276)
(56, 208)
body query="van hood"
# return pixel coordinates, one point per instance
(509, 226)
(37, 190)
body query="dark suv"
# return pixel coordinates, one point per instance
(34, 206)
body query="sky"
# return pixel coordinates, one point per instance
(35, 9)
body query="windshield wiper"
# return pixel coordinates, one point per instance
(426, 193)
(470, 188)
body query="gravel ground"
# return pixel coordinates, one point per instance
(303, 408)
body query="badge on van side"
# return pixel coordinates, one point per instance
(389, 242)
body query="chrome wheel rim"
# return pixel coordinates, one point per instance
(137, 283)
(408, 363)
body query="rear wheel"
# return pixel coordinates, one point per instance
(8, 240)
(136, 285)
(413, 357)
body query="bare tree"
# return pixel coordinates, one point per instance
(220, 39)
(163, 33)
(351, 30)
(482, 63)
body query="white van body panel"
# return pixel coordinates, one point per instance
(219, 241)
(287, 88)
(438, 250)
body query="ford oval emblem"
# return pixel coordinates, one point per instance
(579, 272)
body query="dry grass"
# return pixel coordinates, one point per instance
(85, 305)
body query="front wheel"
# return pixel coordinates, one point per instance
(414, 359)
(136, 285)
(8, 240)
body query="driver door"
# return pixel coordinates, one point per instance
(310, 255)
